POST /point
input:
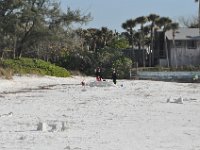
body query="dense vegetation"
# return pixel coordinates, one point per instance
(31, 66)
(40, 30)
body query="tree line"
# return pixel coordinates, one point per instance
(144, 36)
(34, 27)
(40, 29)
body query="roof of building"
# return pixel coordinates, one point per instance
(184, 34)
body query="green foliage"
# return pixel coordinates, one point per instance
(34, 66)
(119, 43)
(83, 61)
(87, 61)
(123, 66)
(35, 25)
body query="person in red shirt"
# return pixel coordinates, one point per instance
(98, 74)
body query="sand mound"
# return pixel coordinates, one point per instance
(100, 84)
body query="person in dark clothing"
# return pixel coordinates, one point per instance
(98, 74)
(114, 76)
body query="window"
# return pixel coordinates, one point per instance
(179, 44)
(191, 44)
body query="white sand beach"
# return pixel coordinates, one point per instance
(49, 113)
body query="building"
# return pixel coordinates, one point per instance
(179, 48)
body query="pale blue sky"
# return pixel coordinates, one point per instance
(112, 13)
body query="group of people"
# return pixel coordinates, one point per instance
(99, 77)
(98, 74)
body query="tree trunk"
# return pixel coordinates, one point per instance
(143, 57)
(166, 50)
(151, 48)
(19, 51)
(174, 45)
(2, 54)
(132, 46)
(14, 47)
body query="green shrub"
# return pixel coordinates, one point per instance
(34, 66)
(123, 66)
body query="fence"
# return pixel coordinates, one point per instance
(181, 76)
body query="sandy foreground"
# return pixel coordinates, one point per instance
(49, 113)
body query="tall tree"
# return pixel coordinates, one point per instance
(36, 21)
(174, 27)
(8, 24)
(164, 23)
(142, 20)
(129, 26)
(152, 18)
(96, 39)
(107, 36)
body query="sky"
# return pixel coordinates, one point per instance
(112, 13)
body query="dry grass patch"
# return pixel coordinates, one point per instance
(6, 73)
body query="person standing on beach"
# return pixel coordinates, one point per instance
(98, 74)
(114, 76)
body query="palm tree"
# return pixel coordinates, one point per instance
(129, 27)
(142, 20)
(152, 18)
(164, 23)
(174, 27)
(198, 14)
(106, 36)
(80, 32)
(92, 38)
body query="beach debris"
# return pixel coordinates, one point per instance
(175, 100)
(52, 126)
(42, 126)
(64, 126)
(101, 84)
(10, 114)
